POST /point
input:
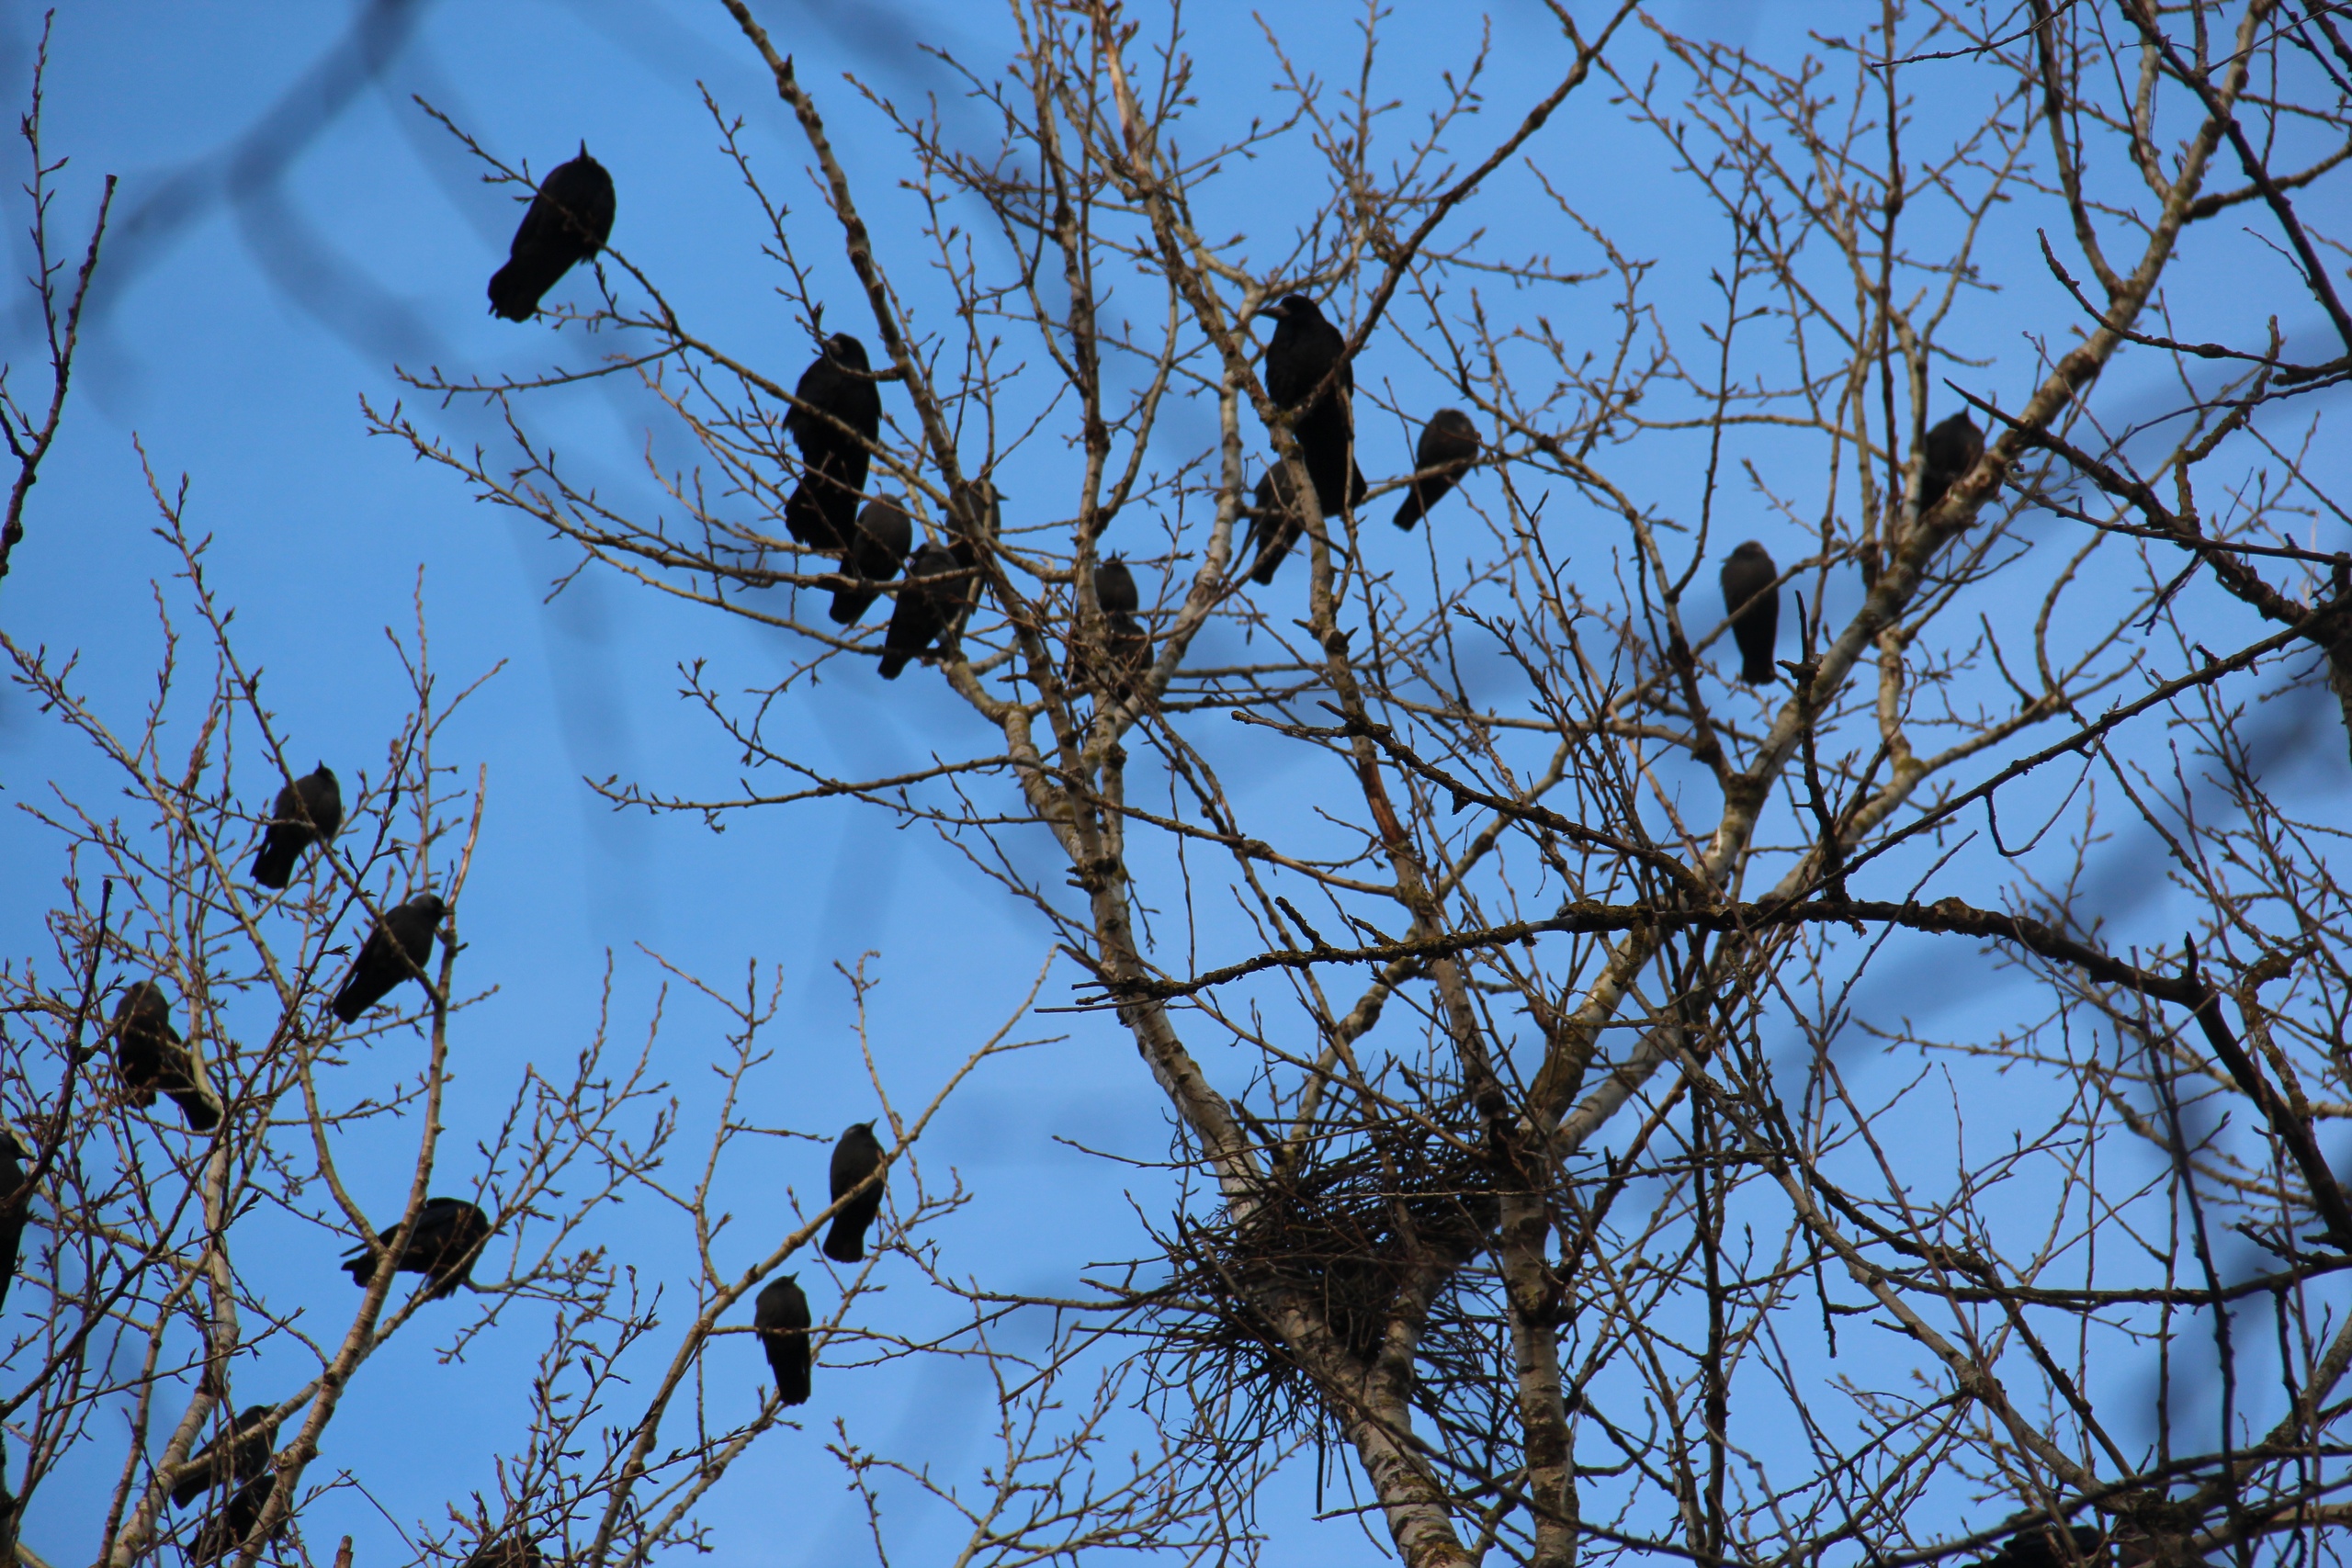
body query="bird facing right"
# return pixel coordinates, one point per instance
(395, 951)
(568, 221)
(1747, 572)
(448, 1235)
(781, 1318)
(308, 811)
(857, 1156)
(1449, 443)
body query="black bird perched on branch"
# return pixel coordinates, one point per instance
(1449, 443)
(395, 951)
(14, 1201)
(782, 1319)
(1275, 522)
(857, 1156)
(836, 415)
(568, 220)
(514, 1552)
(1126, 644)
(1747, 572)
(1116, 650)
(885, 533)
(230, 1459)
(1115, 588)
(2039, 1548)
(1300, 354)
(449, 1233)
(308, 811)
(152, 1059)
(924, 600)
(225, 1531)
(1952, 449)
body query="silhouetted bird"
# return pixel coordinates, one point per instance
(308, 811)
(1126, 644)
(837, 412)
(1275, 522)
(1449, 443)
(395, 951)
(1115, 588)
(514, 1552)
(1748, 572)
(13, 1205)
(449, 1233)
(856, 1156)
(1298, 356)
(885, 535)
(151, 1058)
(1952, 449)
(2039, 1548)
(782, 1319)
(568, 220)
(245, 1449)
(924, 600)
(225, 1531)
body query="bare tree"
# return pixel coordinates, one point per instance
(1529, 1168)
(30, 431)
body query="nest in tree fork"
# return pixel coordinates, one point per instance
(1341, 1236)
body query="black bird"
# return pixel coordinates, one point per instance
(308, 811)
(12, 1208)
(1952, 448)
(1298, 357)
(2039, 1547)
(151, 1058)
(885, 535)
(922, 608)
(1275, 522)
(836, 413)
(1126, 643)
(230, 1459)
(395, 951)
(568, 220)
(449, 1232)
(1115, 588)
(782, 1319)
(514, 1552)
(225, 1531)
(856, 1156)
(1449, 441)
(1747, 572)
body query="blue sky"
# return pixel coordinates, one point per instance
(292, 227)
